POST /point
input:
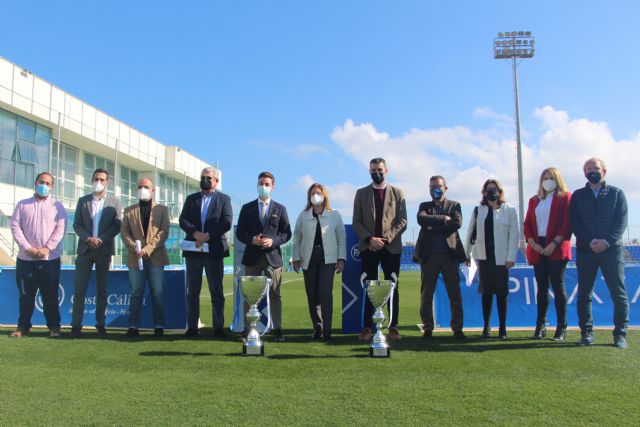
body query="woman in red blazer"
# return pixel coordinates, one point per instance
(546, 228)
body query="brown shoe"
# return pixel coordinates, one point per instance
(365, 335)
(17, 334)
(394, 334)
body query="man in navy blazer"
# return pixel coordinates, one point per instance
(97, 222)
(263, 226)
(205, 218)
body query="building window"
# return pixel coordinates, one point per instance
(68, 190)
(128, 186)
(91, 163)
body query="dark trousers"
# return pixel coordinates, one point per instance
(84, 265)
(275, 299)
(318, 282)
(611, 264)
(390, 264)
(44, 276)
(551, 272)
(214, 269)
(446, 264)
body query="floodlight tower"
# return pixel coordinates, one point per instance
(515, 45)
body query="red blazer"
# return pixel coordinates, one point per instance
(558, 226)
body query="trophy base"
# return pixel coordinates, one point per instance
(252, 350)
(379, 352)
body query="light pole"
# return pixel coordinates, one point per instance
(516, 45)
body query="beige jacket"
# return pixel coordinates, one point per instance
(157, 234)
(394, 219)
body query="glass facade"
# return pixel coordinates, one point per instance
(168, 192)
(24, 149)
(67, 189)
(91, 163)
(128, 187)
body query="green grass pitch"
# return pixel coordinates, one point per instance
(174, 381)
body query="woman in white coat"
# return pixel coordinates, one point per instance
(492, 240)
(319, 248)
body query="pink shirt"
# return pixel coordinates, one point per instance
(39, 223)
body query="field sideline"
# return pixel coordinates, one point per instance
(206, 382)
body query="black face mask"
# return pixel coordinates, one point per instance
(205, 183)
(594, 177)
(377, 177)
(493, 195)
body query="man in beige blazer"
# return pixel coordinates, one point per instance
(145, 228)
(379, 219)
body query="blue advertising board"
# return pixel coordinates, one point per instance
(118, 300)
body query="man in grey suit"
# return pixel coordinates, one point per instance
(96, 222)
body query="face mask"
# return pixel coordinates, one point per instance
(594, 177)
(144, 194)
(377, 177)
(98, 187)
(549, 185)
(493, 195)
(317, 199)
(205, 183)
(263, 191)
(42, 190)
(437, 193)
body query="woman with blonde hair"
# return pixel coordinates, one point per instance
(319, 248)
(492, 240)
(547, 231)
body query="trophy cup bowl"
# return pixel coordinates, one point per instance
(253, 288)
(379, 292)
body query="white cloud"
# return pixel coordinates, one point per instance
(340, 195)
(467, 157)
(303, 151)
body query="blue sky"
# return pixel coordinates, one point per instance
(312, 90)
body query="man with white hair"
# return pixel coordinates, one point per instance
(205, 218)
(598, 214)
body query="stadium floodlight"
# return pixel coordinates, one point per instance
(516, 45)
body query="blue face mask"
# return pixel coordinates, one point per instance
(437, 193)
(263, 191)
(42, 190)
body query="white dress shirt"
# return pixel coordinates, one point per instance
(543, 211)
(97, 204)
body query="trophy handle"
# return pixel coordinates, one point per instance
(394, 276)
(362, 279)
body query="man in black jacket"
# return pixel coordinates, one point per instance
(205, 218)
(263, 226)
(598, 214)
(440, 250)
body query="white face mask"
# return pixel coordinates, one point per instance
(98, 187)
(317, 199)
(549, 185)
(144, 194)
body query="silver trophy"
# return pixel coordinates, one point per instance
(379, 292)
(253, 288)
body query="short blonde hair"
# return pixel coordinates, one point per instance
(325, 195)
(561, 187)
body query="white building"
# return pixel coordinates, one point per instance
(35, 115)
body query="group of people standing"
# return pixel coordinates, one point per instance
(596, 214)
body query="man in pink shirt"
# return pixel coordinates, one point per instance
(38, 224)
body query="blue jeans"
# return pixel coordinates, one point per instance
(137, 279)
(611, 264)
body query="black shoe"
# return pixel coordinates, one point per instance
(76, 332)
(540, 332)
(427, 335)
(158, 332)
(219, 333)
(317, 334)
(586, 339)
(132, 333)
(102, 331)
(326, 336)
(277, 335)
(191, 333)
(486, 332)
(244, 334)
(560, 335)
(620, 341)
(502, 333)
(459, 335)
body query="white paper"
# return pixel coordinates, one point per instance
(190, 246)
(469, 271)
(138, 249)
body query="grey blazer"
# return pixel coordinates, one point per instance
(109, 227)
